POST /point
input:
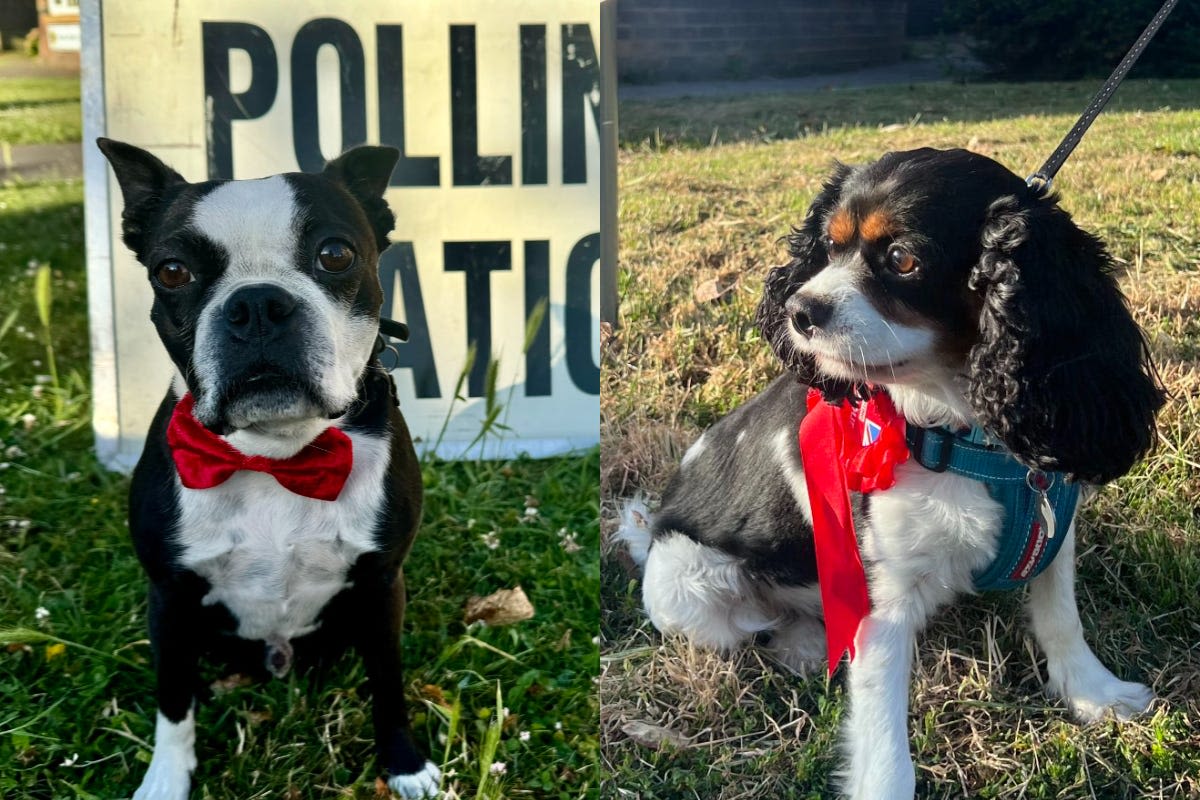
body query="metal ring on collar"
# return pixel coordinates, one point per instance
(1039, 183)
(1039, 481)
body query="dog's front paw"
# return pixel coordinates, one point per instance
(1093, 693)
(417, 785)
(899, 782)
(167, 779)
(1121, 699)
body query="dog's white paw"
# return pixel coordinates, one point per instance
(894, 780)
(418, 785)
(167, 779)
(800, 645)
(169, 775)
(1093, 693)
(1109, 696)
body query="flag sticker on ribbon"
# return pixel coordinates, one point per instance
(870, 428)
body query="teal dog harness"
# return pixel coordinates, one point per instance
(1038, 506)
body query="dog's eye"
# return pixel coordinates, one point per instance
(172, 274)
(827, 242)
(901, 261)
(335, 255)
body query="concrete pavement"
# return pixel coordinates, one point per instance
(40, 162)
(902, 73)
(36, 162)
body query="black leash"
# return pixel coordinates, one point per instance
(1041, 180)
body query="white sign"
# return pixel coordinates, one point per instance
(63, 37)
(495, 107)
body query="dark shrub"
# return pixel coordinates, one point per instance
(1068, 39)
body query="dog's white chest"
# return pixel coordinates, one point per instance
(275, 558)
(936, 526)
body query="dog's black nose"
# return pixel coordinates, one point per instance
(261, 310)
(808, 314)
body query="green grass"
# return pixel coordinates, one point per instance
(708, 121)
(39, 110)
(79, 723)
(980, 726)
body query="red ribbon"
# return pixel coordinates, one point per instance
(205, 460)
(846, 448)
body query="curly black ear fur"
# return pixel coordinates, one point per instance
(1062, 374)
(808, 257)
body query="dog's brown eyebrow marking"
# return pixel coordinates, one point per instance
(877, 225)
(841, 227)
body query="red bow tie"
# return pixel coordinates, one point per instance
(205, 460)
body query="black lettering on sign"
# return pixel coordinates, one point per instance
(470, 168)
(580, 88)
(222, 106)
(537, 289)
(533, 105)
(478, 260)
(399, 261)
(410, 170)
(584, 372)
(351, 69)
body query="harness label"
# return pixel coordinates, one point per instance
(1032, 555)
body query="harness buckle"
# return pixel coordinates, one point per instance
(945, 448)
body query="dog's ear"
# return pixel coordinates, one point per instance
(366, 171)
(144, 182)
(808, 256)
(1062, 374)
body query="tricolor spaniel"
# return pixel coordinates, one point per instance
(941, 280)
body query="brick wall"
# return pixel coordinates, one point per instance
(664, 40)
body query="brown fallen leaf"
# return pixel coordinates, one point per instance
(1158, 175)
(606, 333)
(716, 288)
(499, 608)
(230, 682)
(258, 717)
(653, 736)
(434, 694)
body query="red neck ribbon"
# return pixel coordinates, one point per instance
(205, 460)
(846, 448)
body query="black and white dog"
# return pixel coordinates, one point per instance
(267, 298)
(941, 279)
